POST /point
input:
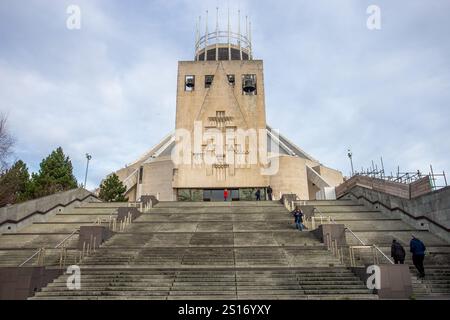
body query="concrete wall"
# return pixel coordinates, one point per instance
(20, 283)
(332, 176)
(15, 217)
(427, 212)
(157, 178)
(291, 178)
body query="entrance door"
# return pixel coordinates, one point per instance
(217, 194)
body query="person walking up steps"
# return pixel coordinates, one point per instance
(397, 252)
(417, 249)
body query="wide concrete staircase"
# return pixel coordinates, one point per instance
(17, 247)
(201, 250)
(373, 227)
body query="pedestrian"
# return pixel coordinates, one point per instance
(225, 195)
(397, 252)
(298, 218)
(258, 195)
(417, 249)
(269, 193)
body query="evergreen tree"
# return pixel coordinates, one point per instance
(55, 175)
(14, 184)
(112, 189)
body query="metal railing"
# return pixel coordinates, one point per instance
(338, 252)
(41, 252)
(437, 180)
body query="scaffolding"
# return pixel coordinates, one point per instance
(437, 180)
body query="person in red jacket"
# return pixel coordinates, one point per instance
(225, 195)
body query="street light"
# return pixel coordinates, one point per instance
(349, 154)
(88, 157)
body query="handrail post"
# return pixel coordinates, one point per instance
(65, 256)
(336, 251)
(352, 257)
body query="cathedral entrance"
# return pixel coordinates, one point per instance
(234, 194)
(217, 195)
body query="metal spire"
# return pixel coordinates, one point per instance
(229, 43)
(239, 33)
(246, 26)
(206, 35)
(250, 40)
(217, 33)
(197, 38)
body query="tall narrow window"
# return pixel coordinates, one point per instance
(141, 173)
(189, 83)
(249, 84)
(208, 80)
(231, 79)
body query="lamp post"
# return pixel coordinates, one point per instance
(88, 158)
(349, 154)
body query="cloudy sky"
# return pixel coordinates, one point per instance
(331, 83)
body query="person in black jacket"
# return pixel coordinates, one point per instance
(258, 195)
(397, 252)
(269, 193)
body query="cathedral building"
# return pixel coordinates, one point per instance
(222, 139)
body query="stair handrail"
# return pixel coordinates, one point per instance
(31, 257)
(56, 247)
(66, 238)
(354, 235)
(373, 245)
(384, 255)
(357, 238)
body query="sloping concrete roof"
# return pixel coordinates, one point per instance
(286, 147)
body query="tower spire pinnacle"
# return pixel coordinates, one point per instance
(229, 35)
(217, 33)
(223, 44)
(239, 32)
(206, 34)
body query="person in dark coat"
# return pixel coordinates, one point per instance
(258, 195)
(417, 249)
(397, 252)
(269, 193)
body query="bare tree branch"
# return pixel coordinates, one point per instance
(6, 143)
